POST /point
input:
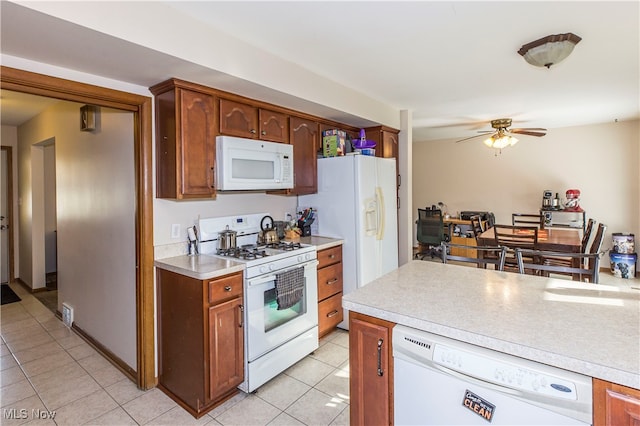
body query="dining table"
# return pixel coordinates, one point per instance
(563, 240)
(568, 240)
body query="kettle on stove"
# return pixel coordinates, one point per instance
(268, 234)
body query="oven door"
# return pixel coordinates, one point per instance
(268, 327)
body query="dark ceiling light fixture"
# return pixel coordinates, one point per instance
(549, 50)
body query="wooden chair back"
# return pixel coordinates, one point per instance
(488, 255)
(596, 245)
(526, 219)
(525, 263)
(516, 236)
(587, 234)
(476, 226)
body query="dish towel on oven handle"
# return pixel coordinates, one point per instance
(289, 287)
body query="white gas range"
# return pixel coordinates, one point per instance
(276, 336)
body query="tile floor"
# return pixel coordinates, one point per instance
(45, 367)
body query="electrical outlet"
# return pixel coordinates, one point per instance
(175, 230)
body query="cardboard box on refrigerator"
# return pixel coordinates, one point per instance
(333, 142)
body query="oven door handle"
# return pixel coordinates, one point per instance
(272, 277)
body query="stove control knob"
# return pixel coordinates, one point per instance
(263, 269)
(300, 258)
(272, 267)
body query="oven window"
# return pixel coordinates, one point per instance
(273, 317)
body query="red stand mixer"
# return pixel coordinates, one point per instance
(573, 199)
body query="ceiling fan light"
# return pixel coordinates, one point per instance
(549, 50)
(500, 141)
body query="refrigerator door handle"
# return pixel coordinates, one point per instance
(371, 217)
(381, 212)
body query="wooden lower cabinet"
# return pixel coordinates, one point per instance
(615, 405)
(200, 339)
(330, 312)
(370, 370)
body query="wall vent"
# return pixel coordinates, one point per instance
(67, 315)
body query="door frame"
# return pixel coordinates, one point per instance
(58, 88)
(9, 151)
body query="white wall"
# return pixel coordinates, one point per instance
(95, 190)
(602, 161)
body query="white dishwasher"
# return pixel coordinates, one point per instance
(441, 381)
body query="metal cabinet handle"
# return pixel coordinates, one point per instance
(380, 372)
(263, 133)
(332, 314)
(213, 177)
(253, 131)
(333, 281)
(241, 309)
(227, 288)
(332, 256)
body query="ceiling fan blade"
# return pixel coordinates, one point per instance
(527, 132)
(529, 128)
(471, 137)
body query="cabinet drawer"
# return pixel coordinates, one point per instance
(330, 313)
(329, 281)
(329, 256)
(225, 288)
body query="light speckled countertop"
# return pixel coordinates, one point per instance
(321, 243)
(200, 267)
(586, 328)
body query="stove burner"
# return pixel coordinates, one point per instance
(246, 252)
(284, 245)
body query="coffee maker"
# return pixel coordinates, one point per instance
(547, 200)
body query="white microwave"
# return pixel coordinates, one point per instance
(251, 164)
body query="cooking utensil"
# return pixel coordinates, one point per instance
(268, 234)
(227, 239)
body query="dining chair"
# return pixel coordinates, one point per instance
(476, 226)
(430, 233)
(512, 237)
(490, 255)
(564, 261)
(588, 269)
(596, 245)
(527, 219)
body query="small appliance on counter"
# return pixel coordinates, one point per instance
(573, 199)
(547, 199)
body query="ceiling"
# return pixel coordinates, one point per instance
(453, 64)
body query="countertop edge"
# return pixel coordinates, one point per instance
(527, 352)
(207, 274)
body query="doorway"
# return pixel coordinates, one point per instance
(38, 84)
(6, 212)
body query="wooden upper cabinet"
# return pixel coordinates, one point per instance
(248, 121)
(274, 126)
(185, 143)
(386, 141)
(305, 135)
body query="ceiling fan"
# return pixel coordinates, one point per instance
(503, 134)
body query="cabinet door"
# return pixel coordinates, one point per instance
(238, 119)
(198, 146)
(371, 374)
(389, 145)
(226, 347)
(274, 126)
(304, 138)
(615, 405)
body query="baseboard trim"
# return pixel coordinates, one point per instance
(29, 289)
(110, 356)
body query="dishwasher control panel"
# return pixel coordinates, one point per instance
(501, 372)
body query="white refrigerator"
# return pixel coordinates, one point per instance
(357, 202)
